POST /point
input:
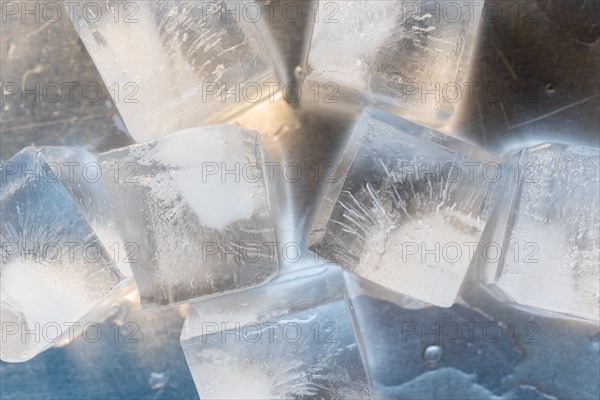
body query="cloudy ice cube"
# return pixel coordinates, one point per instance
(406, 207)
(410, 55)
(194, 212)
(549, 231)
(54, 266)
(191, 61)
(291, 338)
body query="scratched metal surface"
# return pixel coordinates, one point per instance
(541, 57)
(50, 55)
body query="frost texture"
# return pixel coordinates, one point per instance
(54, 269)
(410, 210)
(554, 232)
(194, 212)
(191, 61)
(296, 342)
(412, 54)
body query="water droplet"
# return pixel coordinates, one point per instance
(185, 36)
(432, 354)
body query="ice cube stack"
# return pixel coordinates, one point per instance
(187, 213)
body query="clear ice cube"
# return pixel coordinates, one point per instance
(549, 230)
(81, 175)
(410, 55)
(55, 266)
(406, 207)
(192, 61)
(194, 211)
(292, 338)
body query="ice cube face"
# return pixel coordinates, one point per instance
(551, 235)
(194, 212)
(406, 207)
(410, 55)
(54, 268)
(193, 61)
(81, 175)
(291, 338)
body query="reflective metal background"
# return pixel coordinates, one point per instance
(538, 61)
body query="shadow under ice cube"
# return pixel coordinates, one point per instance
(549, 227)
(292, 338)
(54, 267)
(194, 212)
(406, 207)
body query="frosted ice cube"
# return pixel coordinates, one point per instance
(194, 211)
(191, 61)
(551, 235)
(54, 268)
(411, 55)
(292, 338)
(406, 207)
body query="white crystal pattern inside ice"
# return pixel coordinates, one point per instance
(406, 209)
(190, 61)
(412, 55)
(54, 267)
(195, 213)
(292, 338)
(552, 234)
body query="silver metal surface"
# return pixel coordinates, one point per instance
(538, 64)
(51, 91)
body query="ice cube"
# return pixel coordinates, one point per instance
(410, 55)
(81, 175)
(54, 267)
(192, 61)
(194, 211)
(292, 338)
(406, 207)
(549, 231)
